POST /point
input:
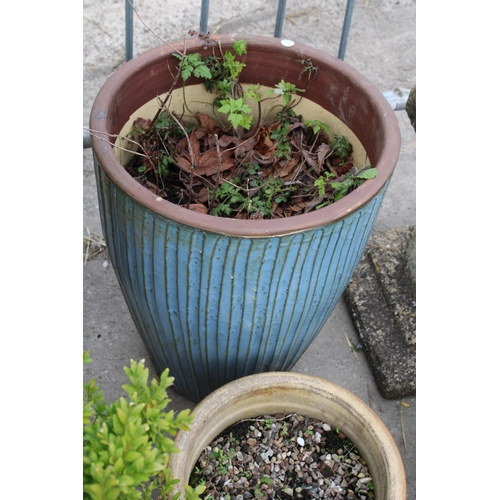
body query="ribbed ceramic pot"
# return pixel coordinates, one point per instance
(215, 299)
(272, 393)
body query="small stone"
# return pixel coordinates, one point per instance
(327, 427)
(300, 441)
(251, 442)
(288, 491)
(365, 480)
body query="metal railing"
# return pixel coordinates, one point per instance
(205, 4)
(397, 98)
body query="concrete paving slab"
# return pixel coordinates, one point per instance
(381, 45)
(382, 302)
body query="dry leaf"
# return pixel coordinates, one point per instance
(287, 167)
(206, 163)
(322, 150)
(198, 207)
(207, 123)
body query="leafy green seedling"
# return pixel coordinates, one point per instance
(308, 67)
(318, 125)
(238, 112)
(344, 185)
(286, 90)
(240, 47)
(253, 92)
(233, 65)
(280, 135)
(193, 64)
(228, 194)
(341, 147)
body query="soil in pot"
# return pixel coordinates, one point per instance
(243, 163)
(282, 457)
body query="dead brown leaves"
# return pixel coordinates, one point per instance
(267, 172)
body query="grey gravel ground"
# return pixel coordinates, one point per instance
(381, 45)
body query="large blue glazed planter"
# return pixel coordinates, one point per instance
(216, 299)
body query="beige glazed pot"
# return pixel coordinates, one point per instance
(288, 392)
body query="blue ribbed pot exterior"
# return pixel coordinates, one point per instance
(213, 307)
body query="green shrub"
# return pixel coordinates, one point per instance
(127, 444)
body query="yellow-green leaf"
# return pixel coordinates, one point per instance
(139, 464)
(112, 494)
(126, 480)
(121, 415)
(131, 456)
(119, 465)
(117, 425)
(95, 490)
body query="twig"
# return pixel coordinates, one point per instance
(96, 133)
(169, 93)
(97, 24)
(217, 180)
(298, 14)
(93, 238)
(402, 424)
(149, 29)
(353, 349)
(264, 419)
(369, 395)
(191, 154)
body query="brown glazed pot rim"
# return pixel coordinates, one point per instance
(118, 99)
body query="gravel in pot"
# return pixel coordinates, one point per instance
(282, 457)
